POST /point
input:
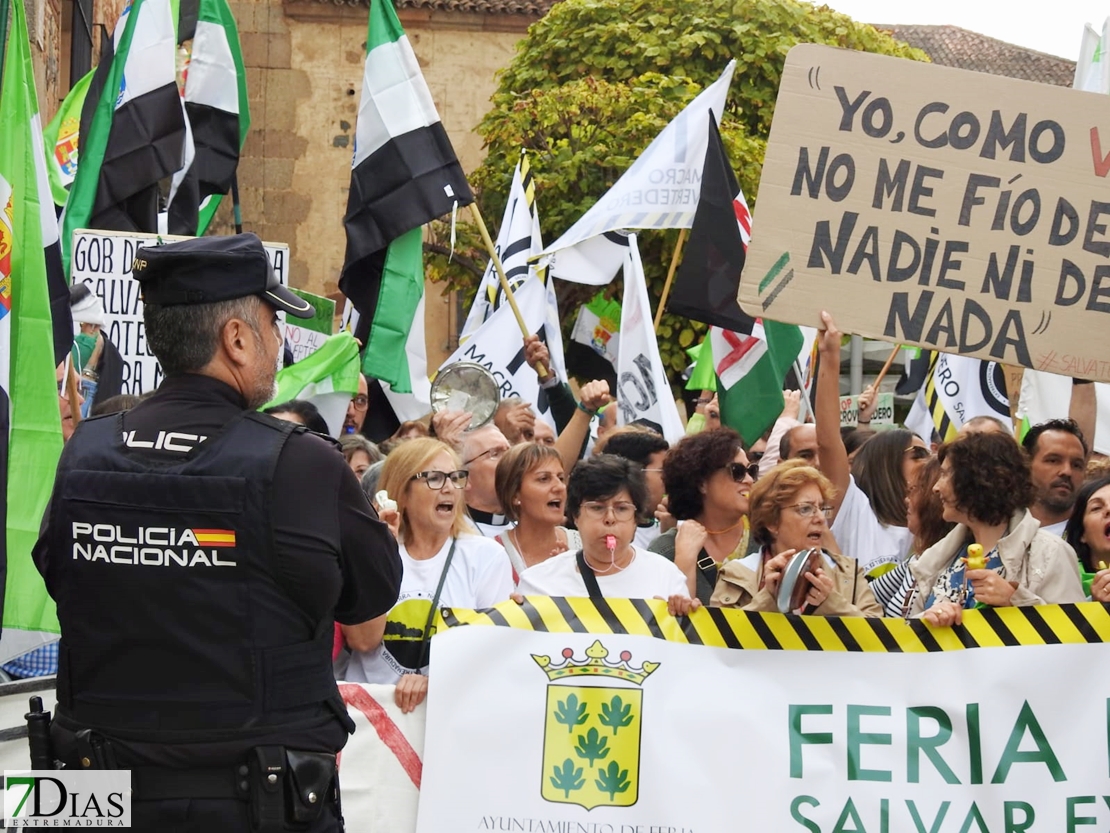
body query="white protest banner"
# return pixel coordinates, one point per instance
(882, 416)
(882, 727)
(660, 190)
(498, 346)
(102, 259)
(643, 391)
(380, 767)
(933, 206)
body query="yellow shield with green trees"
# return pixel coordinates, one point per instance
(591, 746)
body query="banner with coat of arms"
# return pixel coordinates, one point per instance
(576, 717)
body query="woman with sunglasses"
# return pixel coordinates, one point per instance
(532, 490)
(605, 496)
(444, 564)
(708, 480)
(985, 489)
(790, 507)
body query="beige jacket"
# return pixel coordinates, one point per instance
(738, 586)
(1044, 566)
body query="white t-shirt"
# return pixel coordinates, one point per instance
(645, 535)
(864, 537)
(479, 576)
(649, 575)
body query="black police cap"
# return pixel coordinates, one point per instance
(206, 270)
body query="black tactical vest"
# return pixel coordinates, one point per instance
(174, 625)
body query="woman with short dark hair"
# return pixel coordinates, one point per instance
(605, 495)
(984, 488)
(708, 480)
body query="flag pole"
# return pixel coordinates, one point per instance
(886, 367)
(235, 203)
(670, 277)
(72, 393)
(541, 371)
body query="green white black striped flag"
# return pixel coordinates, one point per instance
(216, 103)
(132, 128)
(405, 174)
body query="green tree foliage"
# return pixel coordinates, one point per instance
(596, 80)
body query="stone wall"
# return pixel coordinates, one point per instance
(304, 75)
(44, 26)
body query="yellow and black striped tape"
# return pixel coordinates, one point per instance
(720, 628)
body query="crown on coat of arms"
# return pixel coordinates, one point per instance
(596, 664)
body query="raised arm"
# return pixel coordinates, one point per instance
(569, 444)
(830, 447)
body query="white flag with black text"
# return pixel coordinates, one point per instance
(499, 347)
(660, 190)
(643, 392)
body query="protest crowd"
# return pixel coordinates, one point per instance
(253, 522)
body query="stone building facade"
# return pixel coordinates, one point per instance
(304, 63)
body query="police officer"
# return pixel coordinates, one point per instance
(199, 553)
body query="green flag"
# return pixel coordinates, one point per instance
(133, 132)
(750, 374)
(704, 375)
(328, 378)
(33, 438)
(401, 300)
(215, 96)
(62, 137)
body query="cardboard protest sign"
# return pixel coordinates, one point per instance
(308, 335)
(932, 206)
(102, 259)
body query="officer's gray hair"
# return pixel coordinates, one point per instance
(184, 337)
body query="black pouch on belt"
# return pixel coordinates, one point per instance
(267, 795)
(308, 784)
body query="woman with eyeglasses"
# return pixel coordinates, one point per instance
(708, 480)
(790, 507)
(444, 564)
(985, 489)
(532, 489)
(605, 495)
